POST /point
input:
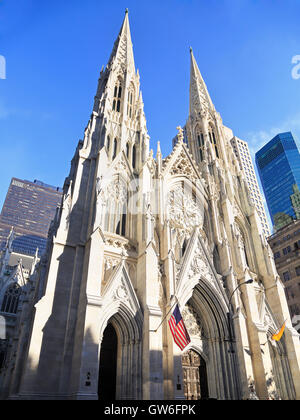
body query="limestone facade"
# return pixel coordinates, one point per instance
(134, 235)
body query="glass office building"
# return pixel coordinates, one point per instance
(278, 164)
(29, 207)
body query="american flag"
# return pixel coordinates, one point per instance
(178, 330)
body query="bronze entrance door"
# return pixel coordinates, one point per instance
(194, 376)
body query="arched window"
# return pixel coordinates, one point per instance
(116, 210)
(184, 246)
(213, 141)
(117, 96)
(123, 229)
(242, 244)
(127, 150)
(121, 220)
(200, 139)
(130, 104)
(115, 149)
(134, 157)
(108, 144)
(215, 145)
(11, 299)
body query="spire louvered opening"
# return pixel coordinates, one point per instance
(117, 96)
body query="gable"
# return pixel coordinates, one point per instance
(197, 265)
(180, 162)
(119, 290)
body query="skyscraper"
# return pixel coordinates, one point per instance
(242, 152)
(29, 208)
(285, 245)
(278, 164)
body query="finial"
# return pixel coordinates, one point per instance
(158, 149)
(191, 49)
(126, 11)
(180, 134)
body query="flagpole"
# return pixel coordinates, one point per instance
(165, 316)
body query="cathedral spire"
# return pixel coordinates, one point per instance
(200, 101)
(122, 52)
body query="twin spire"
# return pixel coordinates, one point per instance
(122, 54)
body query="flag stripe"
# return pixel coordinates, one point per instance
(178, 329)
(178, 340)
(180, 333)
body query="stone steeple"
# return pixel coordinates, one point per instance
(122, 53)
(118, 107)
(207, 138)
(200, 101)
(204, 123)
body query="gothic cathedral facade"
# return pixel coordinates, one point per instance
(137, 234)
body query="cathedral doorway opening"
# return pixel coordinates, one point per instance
(194, 376)
(108, 365)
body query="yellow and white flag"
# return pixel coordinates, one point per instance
(278, 336)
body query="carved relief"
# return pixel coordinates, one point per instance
(100, 192)
(121, 293)
(200, 267)
(121, 166)
(183, 166)
(240, 237)
(117, 191)
(184, 214)
(192, 321)
(199, 98)
(110, 264)
(67, 205)
(120, 243)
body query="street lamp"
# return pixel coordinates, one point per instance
(250, 281)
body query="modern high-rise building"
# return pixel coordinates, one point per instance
(29, 208)
(278, 164)
(242, 152)
(285, 244)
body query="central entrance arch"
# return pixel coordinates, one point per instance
(194, 376)
(108, 365)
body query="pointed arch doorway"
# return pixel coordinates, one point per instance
(108, 365)
(194, 376)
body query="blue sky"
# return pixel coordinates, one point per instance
(54, 51)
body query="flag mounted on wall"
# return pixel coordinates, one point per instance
(178, 330)
(278, 336)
